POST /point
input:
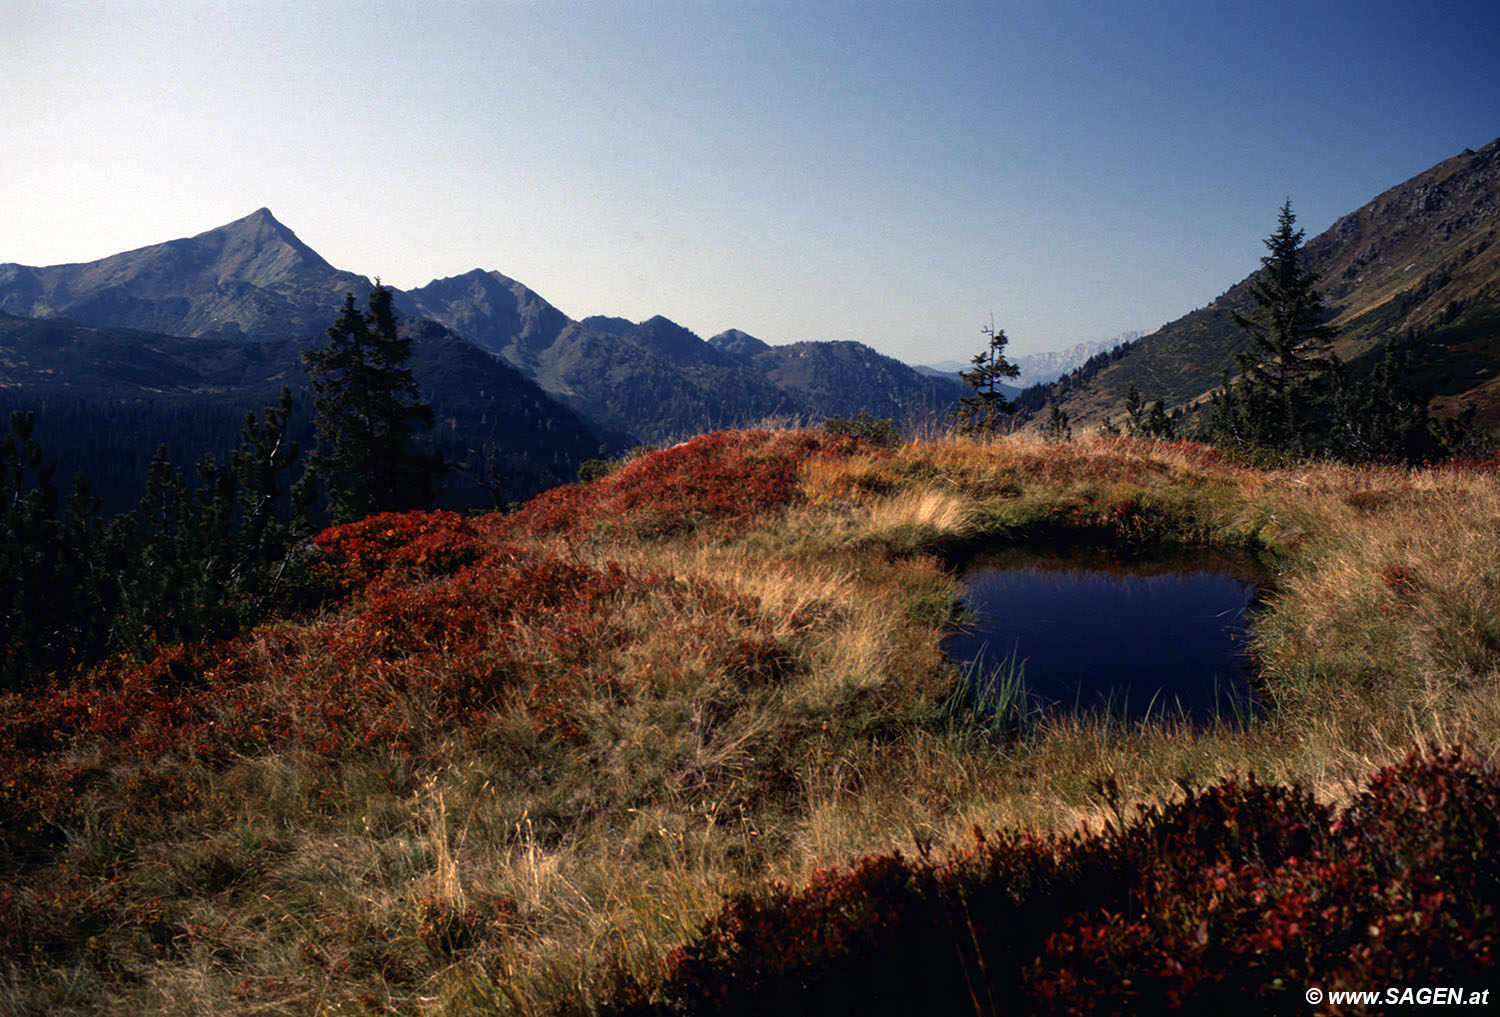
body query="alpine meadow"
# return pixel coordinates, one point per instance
(381, 711)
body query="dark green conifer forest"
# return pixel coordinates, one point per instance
(199, 557)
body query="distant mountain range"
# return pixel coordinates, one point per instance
(1039, 368)
(193, 328)
(658, 381)
(1418, 265)
(254, 281)
(107, 396)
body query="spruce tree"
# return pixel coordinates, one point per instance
(1135, 412)
(366, 411)
(203, 562)
(28, 550)
(982, 412)
(1159, 423)
(271, 513)
(1287, 361)
(1057, 429)
(1384, 418)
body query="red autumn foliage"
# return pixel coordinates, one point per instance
(447, 624)
(717, 481)
(1466, 464)
(1235, 900)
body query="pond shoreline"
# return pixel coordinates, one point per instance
(1134, 632)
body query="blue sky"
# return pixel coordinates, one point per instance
(888, 172)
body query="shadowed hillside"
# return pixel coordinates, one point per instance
(251, 279)
(1417, 265)
(105, 397)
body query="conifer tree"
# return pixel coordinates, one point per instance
(271, 512)
(982, 412)
(1057, 429)
(1289, 342)
(366, 410)
(187, 564)
(203, 562)
(1135, 412)
(1159, 423)
(1383, 419)
(28, 544)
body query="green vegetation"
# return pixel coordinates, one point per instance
(984, 410)
(560, 760)
(366, 407)
(190, 563)
(1284, 372)
(1057, 428)
(200, 561)
(1140, 422)
(106, 398)
(1294, 397)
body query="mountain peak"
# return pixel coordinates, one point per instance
(248, 278)
(493, 311)
(738, 344)
(608, 324)
(258, 249)
(665, 338)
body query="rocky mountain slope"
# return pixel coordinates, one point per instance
(1417, 265)
(250, 279)
(651, 381)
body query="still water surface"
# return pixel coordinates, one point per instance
(1130, 635)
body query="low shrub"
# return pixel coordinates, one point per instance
(716, 481)
(1236, 900)
(881, 432)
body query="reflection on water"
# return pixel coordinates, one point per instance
(1133, 636)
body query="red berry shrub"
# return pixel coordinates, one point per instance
(1235, 900)
(446, 625)
(717, 480)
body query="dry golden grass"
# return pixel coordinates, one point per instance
(343, 888)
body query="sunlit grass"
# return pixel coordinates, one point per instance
(753, 696)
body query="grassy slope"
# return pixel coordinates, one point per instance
(514, 756)
(1417, 265)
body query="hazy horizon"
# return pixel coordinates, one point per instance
(891, 173)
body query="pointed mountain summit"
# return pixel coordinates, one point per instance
(608, 324)
(260, 251)
(492, 311)
(251, 278)
(675, 344)
(651, 381)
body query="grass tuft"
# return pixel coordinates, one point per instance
(514, 763)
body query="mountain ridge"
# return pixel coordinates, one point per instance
(647, 381)
(660, 382)
(231, 282)
(494, 425)
(1417, 264)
